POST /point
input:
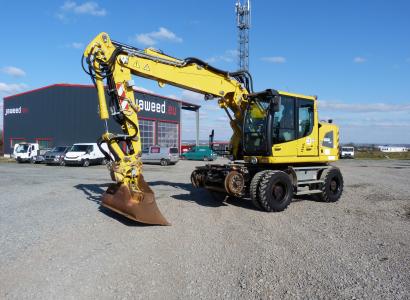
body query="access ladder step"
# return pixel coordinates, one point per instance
(308, 192)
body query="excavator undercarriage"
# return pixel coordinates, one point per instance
(243, 180)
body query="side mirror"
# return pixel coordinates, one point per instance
(276, 103)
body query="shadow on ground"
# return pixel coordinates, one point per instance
(94, 193)
(213, 199)
(200, 196)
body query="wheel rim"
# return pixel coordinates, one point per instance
(279, 192)
(234, 183)
(334, 185)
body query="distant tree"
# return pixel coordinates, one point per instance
(374, 147)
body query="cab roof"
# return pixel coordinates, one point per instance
(297, 95)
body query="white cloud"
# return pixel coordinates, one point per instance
(359, 60)
(73, 8)
(152, 38)
(87, 8)
(223, 119)
(13, 71)
(76, 45)
(369, 122)
(274, 59)
(362, 107)
(173, 96)
(193, 97)
(378, 123)
(229, 56)
(142, 89)
(12, 88)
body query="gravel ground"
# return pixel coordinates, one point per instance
(57, 243)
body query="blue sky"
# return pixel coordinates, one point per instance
(355, 55)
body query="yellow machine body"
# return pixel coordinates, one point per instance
(111, 67)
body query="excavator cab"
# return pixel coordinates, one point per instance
(279, 124)
(258, 119)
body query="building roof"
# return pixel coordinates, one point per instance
(185, 104)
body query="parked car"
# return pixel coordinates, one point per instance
(56, 155)
(85, 154)
(160, 155)
(40, 157)
(24, 152)
(200, 153)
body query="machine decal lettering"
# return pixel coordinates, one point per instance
(15, 111)
(153, 106)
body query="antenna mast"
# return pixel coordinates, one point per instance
(243, 22)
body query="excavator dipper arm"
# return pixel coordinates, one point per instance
(113, 64)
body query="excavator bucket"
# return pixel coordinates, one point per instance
(137, 206)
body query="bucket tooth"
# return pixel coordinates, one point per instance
(137, 206)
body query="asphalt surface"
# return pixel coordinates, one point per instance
(57, 243)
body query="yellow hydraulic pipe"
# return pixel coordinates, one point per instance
(101, 99)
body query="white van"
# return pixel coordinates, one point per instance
(24, 152)
(347, 152)
(85, 154)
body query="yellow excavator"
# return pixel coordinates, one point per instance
(279, 147)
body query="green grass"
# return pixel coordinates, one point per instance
(6, 159)
(381, 155)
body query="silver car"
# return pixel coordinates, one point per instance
(160, 155)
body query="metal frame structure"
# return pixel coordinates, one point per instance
(243, 22)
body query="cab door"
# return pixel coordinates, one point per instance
(307, 132)
(284, 133)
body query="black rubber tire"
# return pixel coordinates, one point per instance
(254, 188)
(282, 184)
(332, 187)
(104, 161)
(86, 163)
(206, 158)
(62, 163)
(32, 160)
(164, 162)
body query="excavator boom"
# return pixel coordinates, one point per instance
(111, 66)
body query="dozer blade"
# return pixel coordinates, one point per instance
(137, 206)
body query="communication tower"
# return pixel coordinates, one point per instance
(243, 22)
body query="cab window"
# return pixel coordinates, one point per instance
(305, 123)
(283, 123)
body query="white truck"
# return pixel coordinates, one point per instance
(347, 152)
(25, 152)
